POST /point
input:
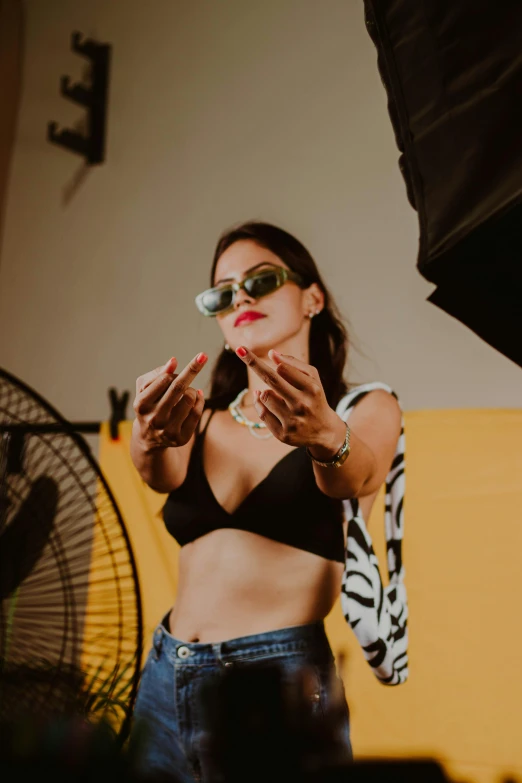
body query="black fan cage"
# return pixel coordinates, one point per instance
(70, 612)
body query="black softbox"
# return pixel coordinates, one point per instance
(452, 71)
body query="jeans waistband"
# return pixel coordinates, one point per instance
(309, 638)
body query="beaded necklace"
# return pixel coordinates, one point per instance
(241, 418)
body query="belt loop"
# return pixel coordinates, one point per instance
(158, 641)
(216, 648)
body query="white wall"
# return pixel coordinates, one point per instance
(219, 112)
(11, 43)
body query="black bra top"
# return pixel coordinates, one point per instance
(286, 506)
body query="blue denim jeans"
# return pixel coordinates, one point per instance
(172, 717)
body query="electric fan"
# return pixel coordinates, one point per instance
(70, 611)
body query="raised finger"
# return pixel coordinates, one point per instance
(182, 382)
(298, 377)
(174, 394)
(171, 418)
(284, 358)
(149, 397)
(194, 415)
(145, 380)
(267, 373)
(167, 412)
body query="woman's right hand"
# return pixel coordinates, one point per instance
(167, 408)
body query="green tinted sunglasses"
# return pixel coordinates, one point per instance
(219, 300)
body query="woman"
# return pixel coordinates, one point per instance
(256, 478)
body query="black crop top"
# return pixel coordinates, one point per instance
(286, 506)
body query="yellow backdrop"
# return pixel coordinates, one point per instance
(463, 547)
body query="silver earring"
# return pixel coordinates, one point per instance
(227, 347)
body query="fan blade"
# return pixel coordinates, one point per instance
(24, 539)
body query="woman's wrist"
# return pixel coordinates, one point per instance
(330, 441)
(144, 445)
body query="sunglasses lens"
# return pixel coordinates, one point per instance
(262, 284)
(217, 299)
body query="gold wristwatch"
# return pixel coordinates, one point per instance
(341, 456)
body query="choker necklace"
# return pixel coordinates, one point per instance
(239, 416)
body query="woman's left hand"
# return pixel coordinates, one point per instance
(295, 408)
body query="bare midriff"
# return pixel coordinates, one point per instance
(234, 583)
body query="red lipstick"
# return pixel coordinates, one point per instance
(247, 317)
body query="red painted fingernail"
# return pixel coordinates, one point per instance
(201, 358)
(241, 352)
(200, 392)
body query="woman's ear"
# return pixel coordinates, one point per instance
(313, 300)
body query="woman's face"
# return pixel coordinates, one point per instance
(279, 320)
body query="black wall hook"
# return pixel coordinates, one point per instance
(92, 98)
(118, 411)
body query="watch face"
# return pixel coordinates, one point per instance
(340, 457)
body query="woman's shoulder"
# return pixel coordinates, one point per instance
(373, 407)
(374, 389)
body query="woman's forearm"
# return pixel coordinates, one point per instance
(162, 468)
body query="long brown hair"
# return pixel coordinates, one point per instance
(328, 335)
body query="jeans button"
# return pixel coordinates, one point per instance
(183, 652)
